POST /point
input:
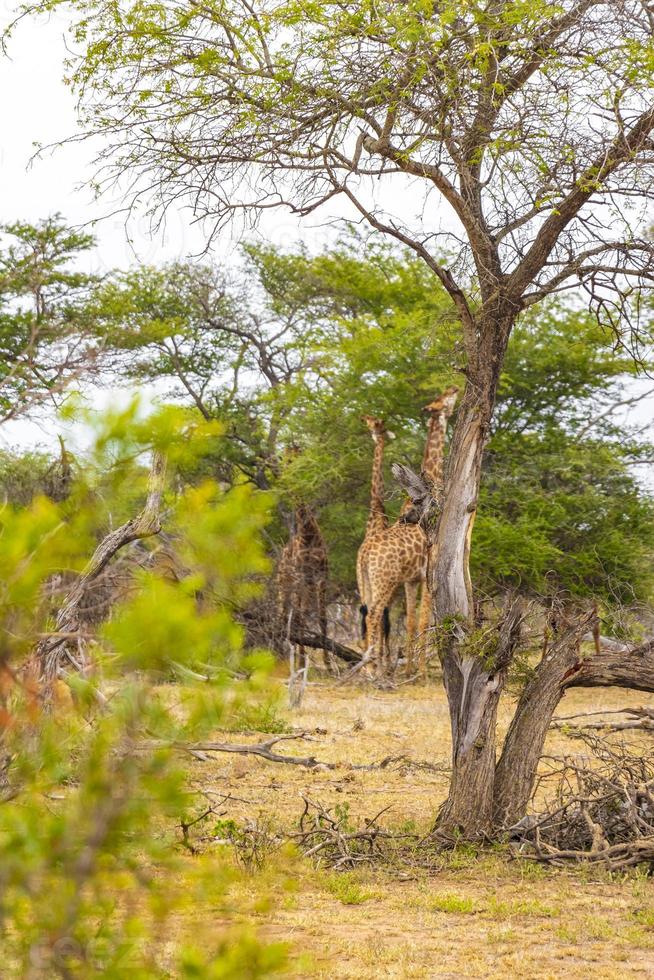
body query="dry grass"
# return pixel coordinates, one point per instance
(478, 916)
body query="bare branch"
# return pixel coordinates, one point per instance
(52, 652)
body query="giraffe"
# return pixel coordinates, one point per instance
(302, 588)
(377, 519)
(398, 554)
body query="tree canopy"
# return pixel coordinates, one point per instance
(293, 348)
(44, 323)
(530, 120)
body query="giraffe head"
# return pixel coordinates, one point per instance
(423, 495)
(377, 428)
(443, 403)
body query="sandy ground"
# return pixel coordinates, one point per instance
(476, 916)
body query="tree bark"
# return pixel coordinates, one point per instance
(559, 670)
(516, 770)
(473, 686)
(633, 669)
(479, 678)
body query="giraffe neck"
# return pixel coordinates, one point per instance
(432, 460)
(377, 515)
(306, 527)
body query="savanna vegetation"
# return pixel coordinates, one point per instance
(184, 596)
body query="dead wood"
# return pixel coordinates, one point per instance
(639, 719)
(607, 643)
(404, 762)
(55, 652)
(633, 669)
(317, 641)
(261, 749)
(601, 810)
(327, 836)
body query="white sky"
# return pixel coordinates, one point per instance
(36, 107)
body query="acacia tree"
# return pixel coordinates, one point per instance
(292, 348)
(530, 122)
(45, 341)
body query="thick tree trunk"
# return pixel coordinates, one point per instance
(473, 684)
(480, 680)
(473, 695)
(560, 669)
(523, 746)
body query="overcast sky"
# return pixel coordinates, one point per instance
(36, 107)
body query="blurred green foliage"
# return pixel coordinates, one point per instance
(91, 787)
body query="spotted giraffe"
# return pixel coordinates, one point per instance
(302, 582)
(377, 520)
(398, 554)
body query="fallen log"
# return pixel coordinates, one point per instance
(316, 641)
(261, 749)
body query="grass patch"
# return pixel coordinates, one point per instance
(644, 917)
(597, 928)
(521, 907)
(347, 889)
(496, 937)
(267, 718)
(588, 929)
(451, 903)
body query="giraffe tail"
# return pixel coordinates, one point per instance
(363, 612)
(386, 623)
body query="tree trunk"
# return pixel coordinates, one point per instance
(560, 669)
(473, 685)
(473, 695)
(480, 679)
(474, 680)
(523, 746)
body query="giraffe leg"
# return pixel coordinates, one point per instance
(329, 659)
(363, 586)
(423, 625)
(411, 593)
(363, 583)
(375, 639)
(378, 647)
(386, 636)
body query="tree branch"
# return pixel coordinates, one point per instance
(51, 651)
(633, 670)
(623, 148)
